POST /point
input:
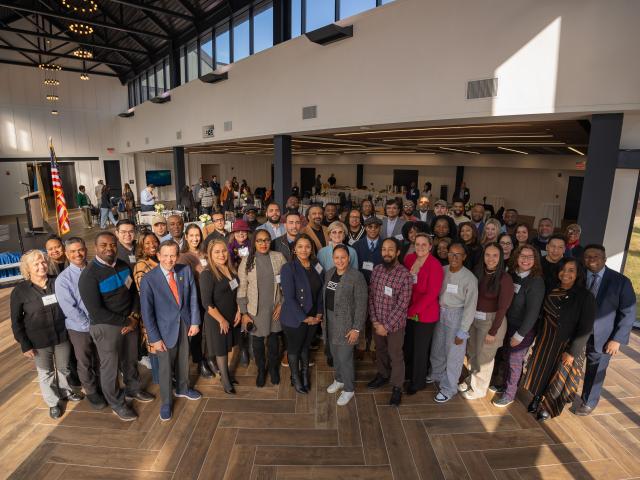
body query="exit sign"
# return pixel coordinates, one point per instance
(208, 131)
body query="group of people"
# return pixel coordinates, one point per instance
(432, 289)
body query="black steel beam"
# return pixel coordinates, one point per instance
(282, 168)
(179, 168)
(52, 36)
(95, 23)
(149, 8)
(25, 64)
(629, 159)
(62, 55)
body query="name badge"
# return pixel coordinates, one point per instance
(278, 278)
(233, 284)
(399, 237)
(318, 268)
(351, 241)
(516, 287)
(415, 278)
(452, 288)
(388, 291)
(132, 259)
(332, 285)
(243, 252)
(480, 315)
(367, 266)
(203, 262)
(128, 282)
(49, 299)
(543, 253)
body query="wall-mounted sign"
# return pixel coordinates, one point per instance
(208, 131)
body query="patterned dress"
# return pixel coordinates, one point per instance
(547, 376)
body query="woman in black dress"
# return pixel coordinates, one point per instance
(557, 361)
(218, 288)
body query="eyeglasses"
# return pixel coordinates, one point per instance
(506, 244)
(455, 255)
(527, 257)
(263, 240)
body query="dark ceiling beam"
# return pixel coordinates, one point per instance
(189, 8)
(52, 36)
(62, 55)
(149, 8)
(21, 53)
(35, 65)
(158, 23)
(95, 23)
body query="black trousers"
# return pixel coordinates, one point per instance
(86, 355)
(175, 361)
(299, 339)
(417, 348)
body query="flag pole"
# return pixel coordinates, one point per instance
(56, 206)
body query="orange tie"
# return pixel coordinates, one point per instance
(174, 287)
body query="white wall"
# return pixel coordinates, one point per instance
(409, 61)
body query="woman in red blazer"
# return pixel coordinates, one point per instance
(423, 313)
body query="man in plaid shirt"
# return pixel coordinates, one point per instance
(389, 298)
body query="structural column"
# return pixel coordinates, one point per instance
(282, 166)
(179, 170)
(359, 175)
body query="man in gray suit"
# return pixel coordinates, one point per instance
(392, 223)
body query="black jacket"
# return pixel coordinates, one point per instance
(577, 314)
(35, 325)
(281, 244)
(525, 307)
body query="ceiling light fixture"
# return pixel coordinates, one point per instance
(464, 137)
(423, 129)
(83, 53)
(458, 150)
(84, 76)
(55, 112)
(50, 66)
(80, 6)
(513, 150)
(576, 151)
(81, 29)
(52, 98)
(51, 82)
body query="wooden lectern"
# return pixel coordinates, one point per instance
(34, 213)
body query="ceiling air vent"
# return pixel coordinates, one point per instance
(179, 135)
(128, 144)
(146, 140)
(309, 112)
(482, 88)
(228, 126)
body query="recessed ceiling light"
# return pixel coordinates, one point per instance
(513, 150)
(576, 150)
(458, 150)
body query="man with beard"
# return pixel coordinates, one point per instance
(330, 214)
(217, 220)
(367, 210)
(315, 229)
(284, 243)
(423, 213)
(273, 225)
(477, 218)
(159, 227)
(457, 212)
(176, 229)
(510, 221)
(250, 216)
(109, 293)
(545, 230)
(440, 208)
(389, 298)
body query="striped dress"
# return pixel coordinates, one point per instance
(546, 376)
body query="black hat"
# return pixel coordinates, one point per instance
(372, 220)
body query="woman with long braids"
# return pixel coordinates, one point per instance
(260, 302)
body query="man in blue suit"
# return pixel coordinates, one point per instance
(616, 313)
(169, 303)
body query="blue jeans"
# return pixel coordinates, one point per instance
(104, 213)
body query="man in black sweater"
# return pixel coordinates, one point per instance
(110, 296)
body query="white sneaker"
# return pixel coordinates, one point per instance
(430, 380)
(145, 362)
(334, 387)
(344, 398)
(463, 387)
(441, 398)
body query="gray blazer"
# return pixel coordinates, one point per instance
(397, 229)
(350, 306)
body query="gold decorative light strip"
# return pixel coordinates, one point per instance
(81, 29)
(84, 76)
(80, 6)
(51, 82)
(52, 98)
(55, 112)
(82, 53)
(50, 66)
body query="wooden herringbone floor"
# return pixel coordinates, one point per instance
(272, 433)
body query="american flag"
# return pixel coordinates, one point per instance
(62, 214)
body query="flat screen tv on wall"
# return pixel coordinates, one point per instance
(159, 178)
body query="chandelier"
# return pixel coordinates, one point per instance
(51, 82)
(80, 6)
(54, 67)
(55, 112)
(81, 29)
(84, 76)
(83, 53)
(52, 97)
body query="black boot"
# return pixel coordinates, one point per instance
(304, 361)
(258, 355)
(295, 374)
(274, 358)
(212, 366)
(535, 403)
(204, 371)
(244, 349)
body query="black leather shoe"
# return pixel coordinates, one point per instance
(125, 414)
(233, 380)
(377, 382)
(297, 385)
(543, 415)
(261, 379)
(213, 367)
(55, 412)
(582, 411)
(204, 371)
(141, 396)
(230, 390)
(75, 397)
(533, 406)
(97, 401)
(396, 397)
(411, 390)
(274, 374)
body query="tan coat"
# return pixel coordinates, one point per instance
(309, 231)
(248, 287)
